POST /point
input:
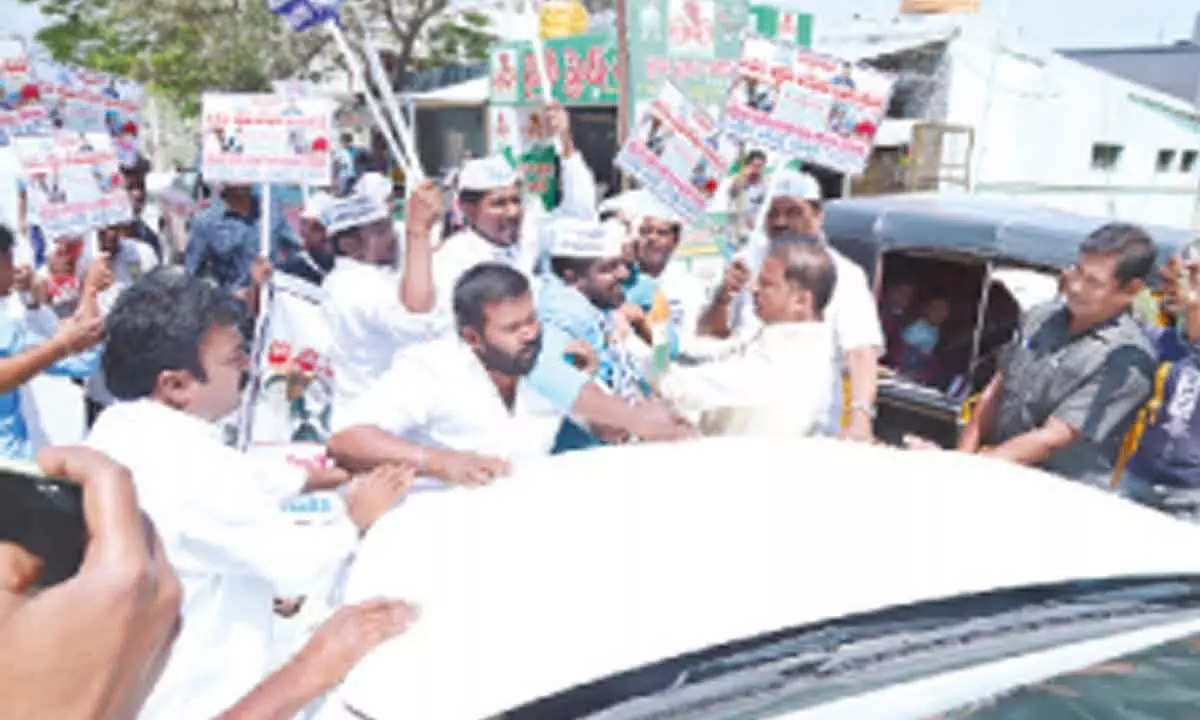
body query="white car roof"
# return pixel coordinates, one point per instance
(602, 561)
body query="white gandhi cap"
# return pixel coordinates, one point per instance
(587, 239)
(640, 204)
(354, 211)
(316, 206)
(483, 174)
(374, 185)
(799, 185)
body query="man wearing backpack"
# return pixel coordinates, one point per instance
(1164, 472)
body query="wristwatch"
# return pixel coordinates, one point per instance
(865, 408)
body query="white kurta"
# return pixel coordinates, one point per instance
(777, 384)
(439, 395)
(219, 514)
(851, 313)
(131, 261)
(467, 248)
(367, 323)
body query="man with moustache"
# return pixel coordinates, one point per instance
(465, 393)
(315, 258)
(797, 206)
(582, 297)
(778, 382)
(501, 229)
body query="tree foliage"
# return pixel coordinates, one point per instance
(183, 48)
(180, 48)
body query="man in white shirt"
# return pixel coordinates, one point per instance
(778, 383)
(501, 227)
(466, 393)
(852, 313)
(502, 230)
(372, 310)
(176, 359)
(127, 260)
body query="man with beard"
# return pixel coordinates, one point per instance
(315, 258)
(465, 393)
(582, 297)
(658, 231)
(500, 231)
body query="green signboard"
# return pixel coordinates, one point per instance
(786, 25)
(582, 71)
(693, 43)
(696, 44)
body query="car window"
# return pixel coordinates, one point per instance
(799, 668)
(1161, 682)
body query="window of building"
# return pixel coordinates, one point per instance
(1165, 161)
(1106, 156)
(1187, 161)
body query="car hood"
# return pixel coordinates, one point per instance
(601, 561)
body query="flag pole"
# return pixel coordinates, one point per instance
(356, 74)
(404, 130)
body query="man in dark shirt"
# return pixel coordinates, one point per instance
(1071, 382)
(314, 261)
(1164, 473)
(224, 240)
(141, 231)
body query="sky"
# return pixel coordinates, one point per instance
(1045, 23)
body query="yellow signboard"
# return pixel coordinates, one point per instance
(934, 7)
(563, 18)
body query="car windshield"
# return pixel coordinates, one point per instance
(790, 670)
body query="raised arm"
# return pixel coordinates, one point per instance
(417, 292)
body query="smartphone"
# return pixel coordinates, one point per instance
(43, 515)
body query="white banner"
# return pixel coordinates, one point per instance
(806, 106)
(267, 139)
(677, 153)
(87, 101)
(74, 184)
(21, 113)
(293, 395)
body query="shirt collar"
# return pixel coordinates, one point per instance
(166, 421)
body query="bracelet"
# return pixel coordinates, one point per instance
(865, 408)
(422, 463)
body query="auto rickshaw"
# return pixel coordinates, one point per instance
(991, 259)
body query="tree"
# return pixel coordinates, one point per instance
(179, 48)
(427, 33)
(183, 48)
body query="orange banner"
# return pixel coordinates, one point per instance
(934, 7)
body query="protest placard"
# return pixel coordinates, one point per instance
(677, 153)
(267, 139)
(694, 44)
(21, 112)
(82, 100)
(807, 106)
(73, 182)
